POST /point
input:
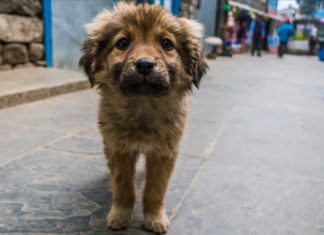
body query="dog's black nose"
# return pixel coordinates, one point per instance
(144, 66)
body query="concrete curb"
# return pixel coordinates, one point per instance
(20, 86)
(10, 100)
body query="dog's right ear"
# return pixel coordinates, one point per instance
(95, 31)
(87, 60)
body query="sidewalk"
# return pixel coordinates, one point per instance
(252, 161)
(25, 85)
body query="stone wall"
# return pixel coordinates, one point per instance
(21, 34)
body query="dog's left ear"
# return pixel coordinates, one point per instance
(199, 70)
(197, 65)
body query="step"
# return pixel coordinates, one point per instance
(26, 85)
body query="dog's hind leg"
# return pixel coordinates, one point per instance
(158, 172)
(122, 168)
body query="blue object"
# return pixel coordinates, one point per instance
(285, 31)
(47, 14)
(321, 54)
(175, 7)
(272, 41)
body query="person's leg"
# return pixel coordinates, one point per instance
(284, 51)
(252, 49)
(312, 47)
(280, 50)
(259, 47)
(254, 45)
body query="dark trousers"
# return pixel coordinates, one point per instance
(311, 45)
(282, 49)
(256, 45)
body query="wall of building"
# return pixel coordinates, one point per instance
(69, 18)
(206, 14)
(68, 31)
(21, 34)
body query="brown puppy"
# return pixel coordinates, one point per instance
(144, 62)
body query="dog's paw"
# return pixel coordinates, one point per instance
(157, 223)
(119, 218)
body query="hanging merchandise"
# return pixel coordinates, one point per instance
(320, 38)
(227, 7)
(230, 20)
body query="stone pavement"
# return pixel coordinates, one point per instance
(252, 161)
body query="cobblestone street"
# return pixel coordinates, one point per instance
(251, 162)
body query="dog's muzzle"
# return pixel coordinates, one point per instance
(144, 80)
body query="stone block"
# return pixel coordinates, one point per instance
(27, 65)
(21, 7)
(40, 63)
(0, 54)
(36, 51)
(5, 67)
(20, 29)
(15, 53)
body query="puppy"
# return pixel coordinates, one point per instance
(144, 62)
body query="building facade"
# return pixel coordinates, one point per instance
(51, 32)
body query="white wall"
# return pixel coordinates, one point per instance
(68, 20)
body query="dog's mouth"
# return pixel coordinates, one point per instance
(139, 85)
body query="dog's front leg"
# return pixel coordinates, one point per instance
(122, 168)
(158, 172)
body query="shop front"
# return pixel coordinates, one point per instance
(240, 17)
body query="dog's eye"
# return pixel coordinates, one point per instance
(122, 44)
(166, 44)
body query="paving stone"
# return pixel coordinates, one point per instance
(58, 114)
(311, 124)
(17, 139)
(186, 168)
(198, 137)
(90, 131)
(270, 150)
(226, 199)
(78, 145)
(53, 192)
(276, 119)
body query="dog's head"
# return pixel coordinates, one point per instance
(143, 50)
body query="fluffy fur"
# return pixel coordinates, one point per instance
(137, 113)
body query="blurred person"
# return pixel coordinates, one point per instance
(320, 40)
(312, 40)
(285, 31)
(257, 30)
(241, 35)
(228, 33)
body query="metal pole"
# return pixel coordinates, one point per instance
(47, 15)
